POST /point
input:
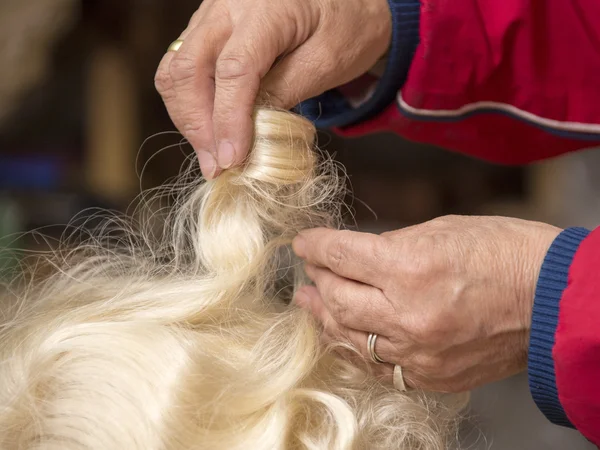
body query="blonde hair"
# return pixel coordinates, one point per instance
(186, 340)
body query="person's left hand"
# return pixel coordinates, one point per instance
(451, 299)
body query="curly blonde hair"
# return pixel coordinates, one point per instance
(186, 339)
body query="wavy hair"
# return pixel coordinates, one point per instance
(186, 339)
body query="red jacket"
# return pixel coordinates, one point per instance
(509, 81)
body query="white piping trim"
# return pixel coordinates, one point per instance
(577, 127)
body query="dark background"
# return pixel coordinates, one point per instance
(73, 139)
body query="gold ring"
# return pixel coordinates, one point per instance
(175, 45)
(399, 382)
(371, 341)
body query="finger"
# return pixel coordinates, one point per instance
(333, 333)
(244, 61)
(357, 256)
(191, 72)
(162, 77)
(165, 86)
(309, 297)
(348, 352)
(352, 304)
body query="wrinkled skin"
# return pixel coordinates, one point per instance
(240, 52)
(451, 299)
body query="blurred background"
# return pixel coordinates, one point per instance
(77, 101)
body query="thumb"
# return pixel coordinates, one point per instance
(298, 76)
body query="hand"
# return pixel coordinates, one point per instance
(210, 86)
(451, 299)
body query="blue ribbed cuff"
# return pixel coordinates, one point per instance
(331, 109)
(552, 282)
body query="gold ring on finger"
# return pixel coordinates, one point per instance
(175, 45)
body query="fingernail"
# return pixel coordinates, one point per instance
(301, 299)
(226, 154)
(208, 165)
(299, 246)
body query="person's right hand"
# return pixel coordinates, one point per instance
(227, 63)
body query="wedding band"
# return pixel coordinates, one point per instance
(371, 341)
(175, 45)
(399, 382)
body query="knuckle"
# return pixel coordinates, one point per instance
(194, 124)
(427, 331)
(446, 220)
(336, 293)
(339, 310)
(419, 261)
(417, 270)
(163, 82)
(337, 253)
(182, 69)
(233, 67)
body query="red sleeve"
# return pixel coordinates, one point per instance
(511, 81)
(576, 350)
